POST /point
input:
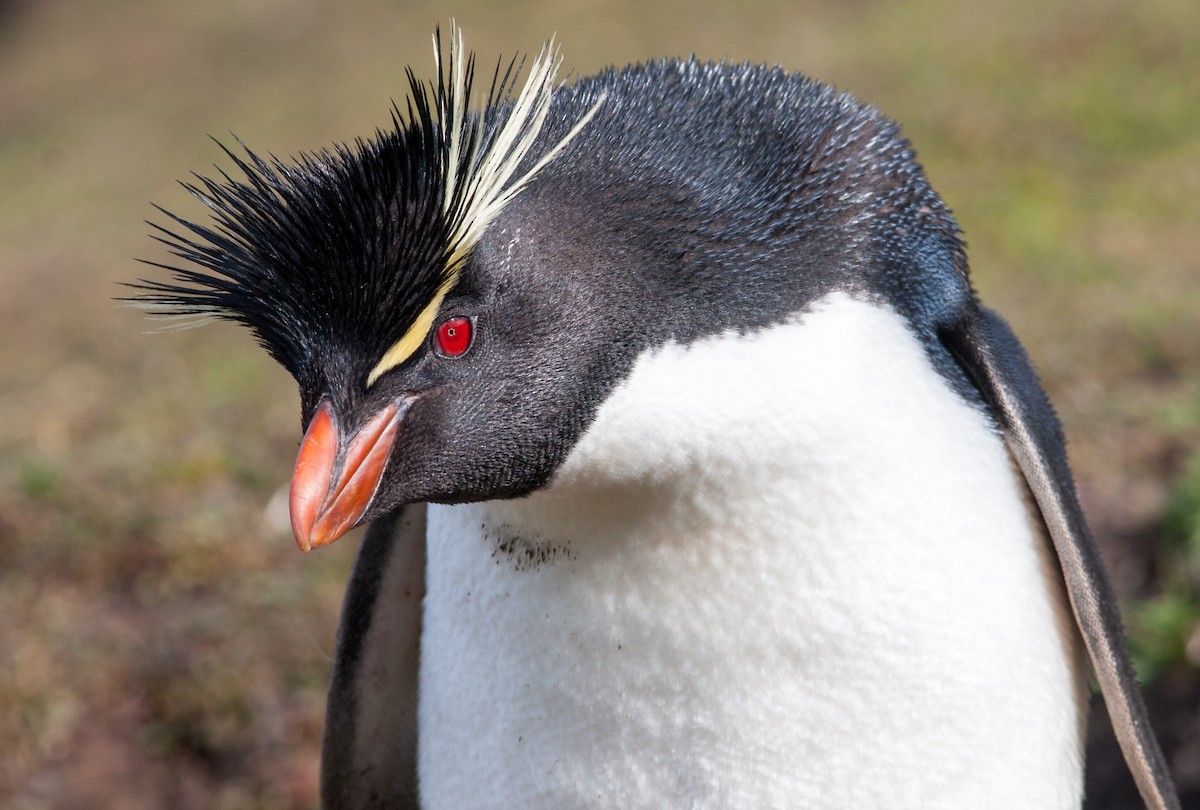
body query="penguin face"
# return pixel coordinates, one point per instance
(485, 399)
(515, 362)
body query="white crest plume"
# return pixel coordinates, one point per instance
(480, 160)
(479, 180)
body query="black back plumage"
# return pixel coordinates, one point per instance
(742, 194)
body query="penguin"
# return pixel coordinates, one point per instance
(694, 473)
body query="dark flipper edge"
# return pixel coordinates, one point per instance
(986, 348)
(369, 751)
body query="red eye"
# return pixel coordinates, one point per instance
(454, 336)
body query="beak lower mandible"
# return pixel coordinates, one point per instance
(336, 476)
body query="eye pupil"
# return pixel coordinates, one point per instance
(454, 336)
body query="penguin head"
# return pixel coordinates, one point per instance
(457, 296)
(425, 328)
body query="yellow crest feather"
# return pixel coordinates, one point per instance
(486, 187)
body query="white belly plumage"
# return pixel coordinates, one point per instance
(792, 569)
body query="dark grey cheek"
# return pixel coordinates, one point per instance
(499, 421)
(469, 442)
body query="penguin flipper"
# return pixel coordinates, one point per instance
(369, 750)
(985, 347)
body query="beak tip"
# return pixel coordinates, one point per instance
(330, 526)
(303, 542)
(322, 528)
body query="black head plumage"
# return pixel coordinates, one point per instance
(337, 259)
(339, 249)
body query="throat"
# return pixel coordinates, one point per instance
(604, 636)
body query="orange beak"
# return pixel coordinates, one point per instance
(335, 477)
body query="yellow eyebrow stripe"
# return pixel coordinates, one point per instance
(407, 346)
(479, 186)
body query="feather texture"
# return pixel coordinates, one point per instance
(481, 158)
(350, 251)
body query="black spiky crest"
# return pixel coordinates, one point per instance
(348, 252)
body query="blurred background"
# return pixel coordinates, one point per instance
(164, 644)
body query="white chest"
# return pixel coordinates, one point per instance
(792, 570)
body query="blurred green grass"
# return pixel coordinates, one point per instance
(163, 641)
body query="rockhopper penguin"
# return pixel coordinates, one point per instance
(695, 474)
